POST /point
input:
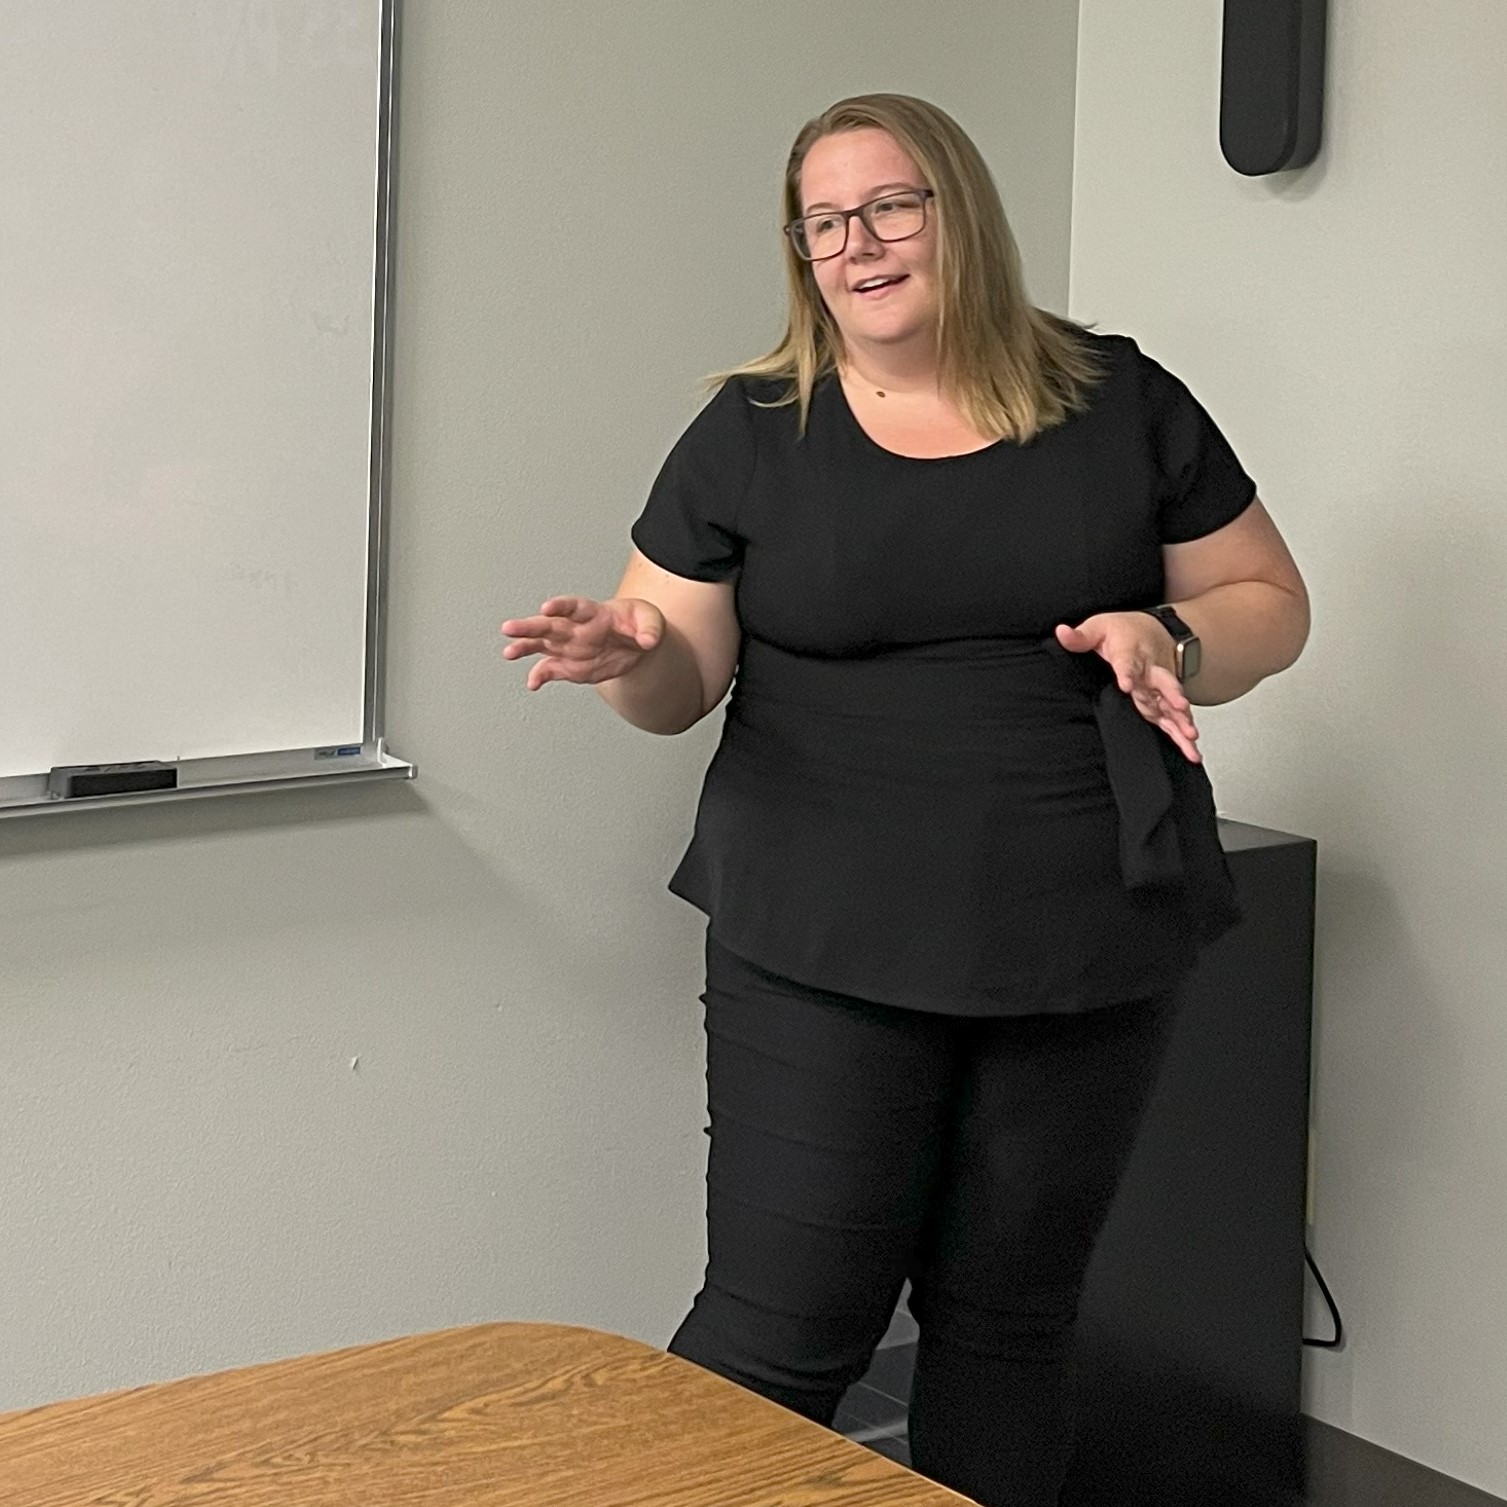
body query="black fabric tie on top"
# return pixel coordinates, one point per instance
(1150, 852)
(1168, 834)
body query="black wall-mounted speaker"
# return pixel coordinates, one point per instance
(1271, 96)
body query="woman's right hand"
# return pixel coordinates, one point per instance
(584, 641)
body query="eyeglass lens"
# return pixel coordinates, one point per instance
(892, 218)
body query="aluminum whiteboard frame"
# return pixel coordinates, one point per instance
(26, 795)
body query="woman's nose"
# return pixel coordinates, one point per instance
(861, 240)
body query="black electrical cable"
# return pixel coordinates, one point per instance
(1334, 1313)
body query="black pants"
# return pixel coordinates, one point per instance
(854, 1145)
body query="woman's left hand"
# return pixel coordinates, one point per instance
(1139, 650)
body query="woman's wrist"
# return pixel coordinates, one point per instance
(661, 691)
(1246, 630)
(1172, 632)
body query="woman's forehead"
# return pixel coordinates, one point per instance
(854, 163)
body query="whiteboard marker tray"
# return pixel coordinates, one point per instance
(29, 795)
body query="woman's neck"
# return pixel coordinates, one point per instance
(892, 371)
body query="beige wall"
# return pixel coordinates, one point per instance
(1347, 325)
(292, 1072)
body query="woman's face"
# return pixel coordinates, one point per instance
(880, 293)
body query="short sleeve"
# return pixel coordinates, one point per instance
(1203, 486)
(689, 524)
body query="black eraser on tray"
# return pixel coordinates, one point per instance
(72, 782)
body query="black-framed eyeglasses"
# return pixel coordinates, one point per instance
(891, 217)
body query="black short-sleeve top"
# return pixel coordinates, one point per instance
(919, 798)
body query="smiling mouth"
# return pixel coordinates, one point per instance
(871, 286)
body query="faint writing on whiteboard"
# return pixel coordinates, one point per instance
(259, 579)
(268, 36)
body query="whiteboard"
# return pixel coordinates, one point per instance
(192, 326)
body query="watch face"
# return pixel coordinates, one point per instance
(1185, 646)
(1189, 657)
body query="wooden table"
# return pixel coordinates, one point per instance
(496, 1415)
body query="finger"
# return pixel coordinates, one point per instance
(1155, 708)
(544, 672)
(1182, 722)
(577, 609)
(1183, 734)
(530, 627)
(540, 641)
(1176, 725)
(1152, 692)
(1185, 743)
(1163, 680)
(522, 648)
(1160, 684)
(1188, 749)
(558, 643)
(1170, 703)
(641, 623)
(1149, 705)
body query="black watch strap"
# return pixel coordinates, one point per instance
(1168, 618)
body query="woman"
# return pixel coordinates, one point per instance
(956, 846)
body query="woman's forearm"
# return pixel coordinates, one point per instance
(1247, 630)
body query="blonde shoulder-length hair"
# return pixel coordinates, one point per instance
(1013, 369)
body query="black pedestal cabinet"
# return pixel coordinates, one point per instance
(1191, 1327)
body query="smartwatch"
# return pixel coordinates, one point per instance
(1186, 649)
